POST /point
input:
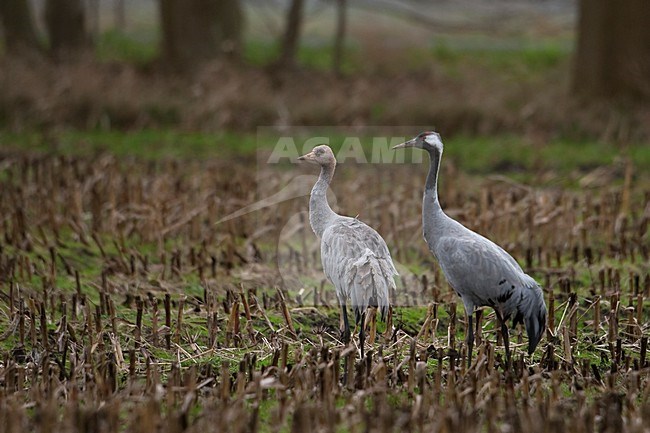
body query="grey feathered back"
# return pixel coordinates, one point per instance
(357, 261)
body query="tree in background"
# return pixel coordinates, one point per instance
(120, 15)
(230, 18)
(291, 36)
(613, 49)
(18, 25)
(93, 12)
(65, 23)
(339, 36)
(194, 31)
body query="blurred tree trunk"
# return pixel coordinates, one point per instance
(18, 25)
(231, 23)
(120, 15)
(92, 6)
(189, 30)
(291, 35)
(613, 49)
(198, 30)
(339, 39)
(66, 28)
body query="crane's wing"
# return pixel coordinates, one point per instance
(357, 261)
(480, 271)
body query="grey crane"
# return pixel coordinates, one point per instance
(355, 257)
(481, 272)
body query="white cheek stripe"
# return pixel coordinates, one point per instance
(432, 140)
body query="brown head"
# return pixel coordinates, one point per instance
(321, 155)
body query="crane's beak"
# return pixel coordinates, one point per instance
(410, 143)
(307, 157)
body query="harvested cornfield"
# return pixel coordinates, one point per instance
(137, 296)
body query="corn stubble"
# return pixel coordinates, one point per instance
(99, 332)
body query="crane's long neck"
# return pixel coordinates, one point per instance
(431, 210)
(320, 213)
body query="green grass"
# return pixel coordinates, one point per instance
(506, 155)
(521, 58)
(483, 155)
(260, 53)
(312, 56)
(514, 55)
(147, 144)
(513, 155)
(140, 48)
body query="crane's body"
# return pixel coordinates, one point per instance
(462, 254)
(357, 261)
(480, 272)
(355, 257)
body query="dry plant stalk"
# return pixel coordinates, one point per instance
(285, 313)
(83, 347)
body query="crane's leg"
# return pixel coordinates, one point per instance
(362, 333)
(506, 340)
(505, 335)
(345, 336)
(345, 333)
(470, 338)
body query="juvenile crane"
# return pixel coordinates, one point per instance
(481, 272)
(355, 257)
